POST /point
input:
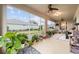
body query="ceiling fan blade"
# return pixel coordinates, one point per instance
(51, 8)
(55, 9)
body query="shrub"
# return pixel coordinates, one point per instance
(12, 41)
(22, 38)
(30, 42)
(49, 33)
(35, 37)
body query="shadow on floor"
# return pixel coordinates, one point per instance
(28, 50)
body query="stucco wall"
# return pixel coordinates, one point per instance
(77, 16)
(69, 25)
(2, 19)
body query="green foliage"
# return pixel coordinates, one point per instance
(54, 31)
(12, 41)
(17, 44)
(2, 41)
(11, 50)
(22, 38)
(34, 37)
(49, 33)
(30, 42)
(10, 35)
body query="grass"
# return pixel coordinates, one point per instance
(31, 32)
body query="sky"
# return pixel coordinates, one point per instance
(14, 13)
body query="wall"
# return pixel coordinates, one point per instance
(71, 22)
(69, 25)
(2, 19)
(77, 16)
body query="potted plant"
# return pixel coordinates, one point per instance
(49, 33)
(22, 38)
(53, 31)
(12, 41)
(29, 42)
(35, 38)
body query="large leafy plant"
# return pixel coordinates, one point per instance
(12, 41)
(22, 38)
(2, 41)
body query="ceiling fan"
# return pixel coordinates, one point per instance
(50, 8)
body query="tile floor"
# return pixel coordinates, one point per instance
(53, 46)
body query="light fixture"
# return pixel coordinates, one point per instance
(63, 24)
(57, 13)
(52, 9)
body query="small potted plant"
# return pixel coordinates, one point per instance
(49, 33)
(30, 42)
(35, 38)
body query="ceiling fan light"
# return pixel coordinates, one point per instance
(57, 13)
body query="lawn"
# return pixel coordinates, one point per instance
(31, 32)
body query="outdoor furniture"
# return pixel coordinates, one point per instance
(74, 43)
(43, 37)
(75, 48)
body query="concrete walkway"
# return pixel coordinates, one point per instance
(53, 46)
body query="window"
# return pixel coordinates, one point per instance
(24, 22)
(51, 25)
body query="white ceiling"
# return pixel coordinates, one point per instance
(67, 10)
